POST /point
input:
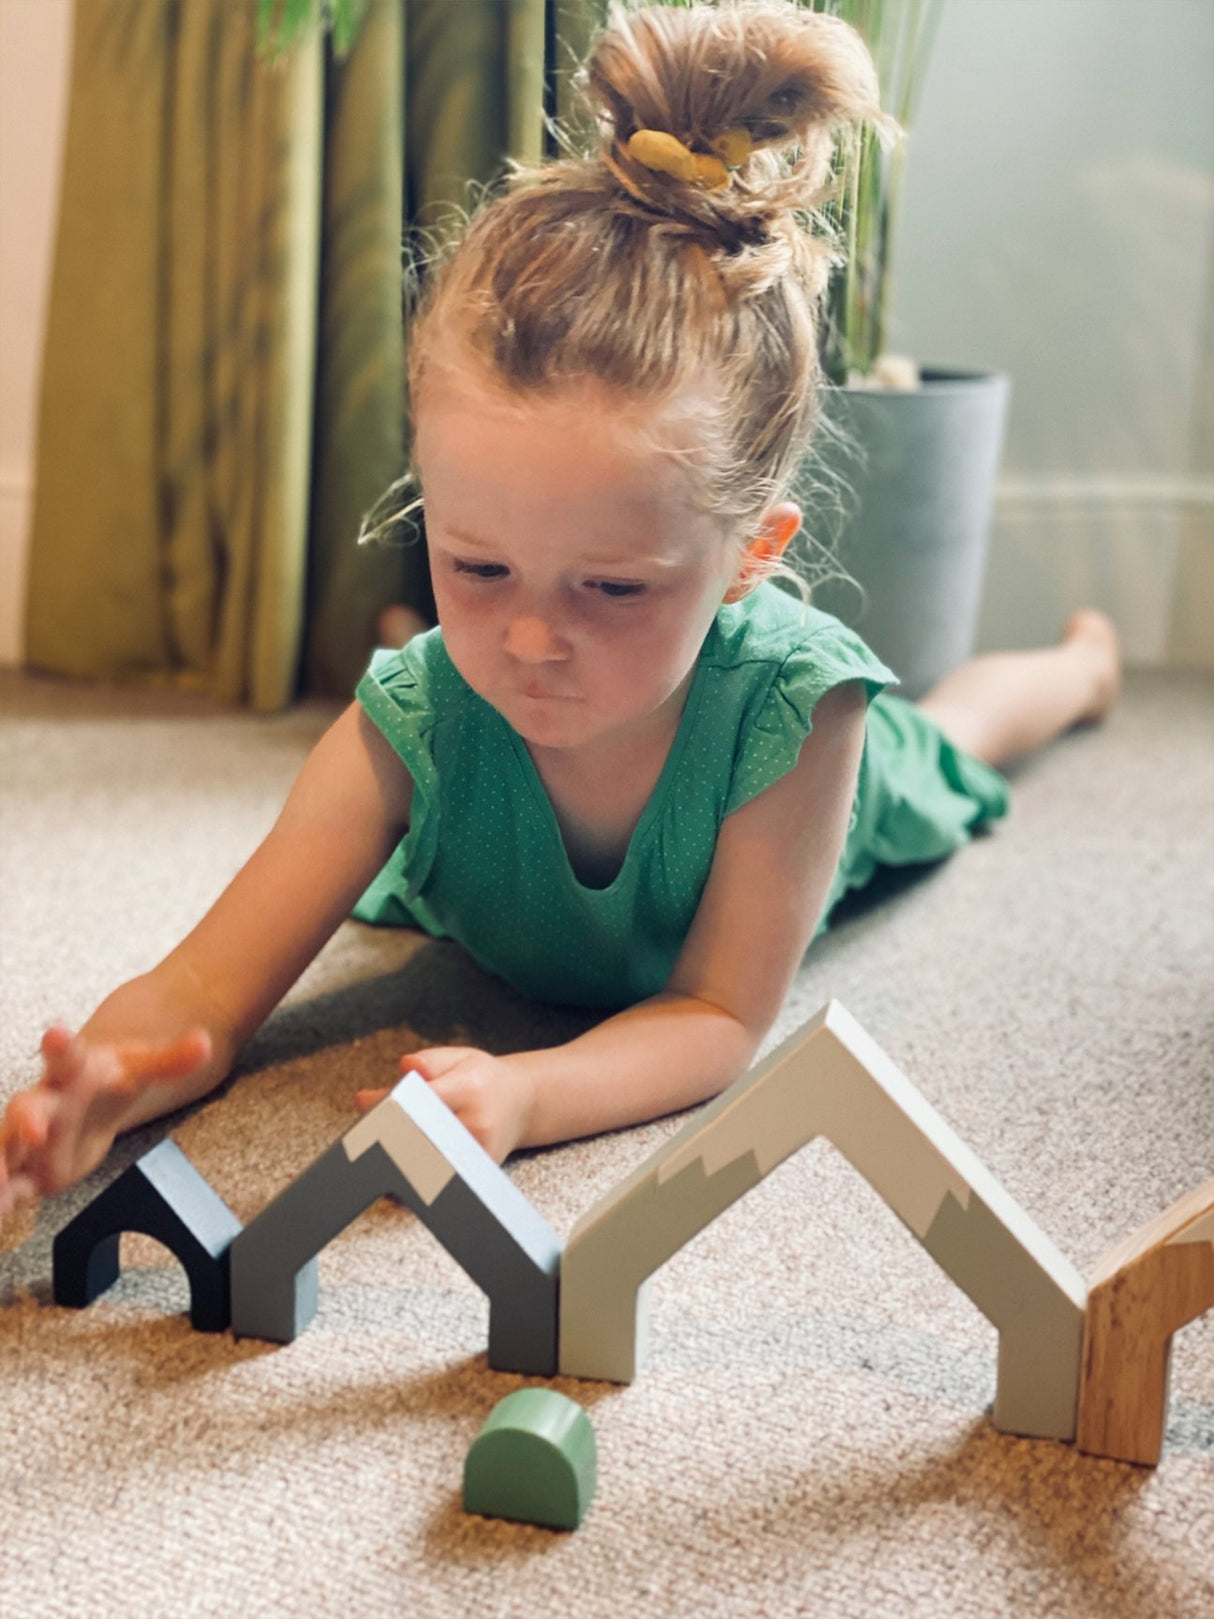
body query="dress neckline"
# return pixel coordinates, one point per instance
(653, 805)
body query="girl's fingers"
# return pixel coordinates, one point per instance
(26, 1122)
(141, 1063)
(16, 1190)
(435, 1061)
(62, 1053)
(455, 1092)
(122, 1068)
(434, 1064)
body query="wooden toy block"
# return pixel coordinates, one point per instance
(831, 1079)
(413, 1146)
(1142, 1292)
(164, 1196)
(535, 1460)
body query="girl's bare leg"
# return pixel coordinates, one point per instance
(1006, 703)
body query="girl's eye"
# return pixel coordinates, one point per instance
(479, 570)
(614, 589)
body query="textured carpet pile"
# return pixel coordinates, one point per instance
(811, 1432)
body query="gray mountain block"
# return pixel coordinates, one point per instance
(413, 1146)
(831, 1079)
(164, 1196)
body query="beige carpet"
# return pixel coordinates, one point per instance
(810, 1435)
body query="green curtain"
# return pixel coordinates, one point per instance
(224, 358)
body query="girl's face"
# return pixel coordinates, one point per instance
(575, 582)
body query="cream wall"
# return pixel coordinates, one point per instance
(1058, 224)
(35, 38)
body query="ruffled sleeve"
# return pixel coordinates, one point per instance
(769, 746)
(398, 694)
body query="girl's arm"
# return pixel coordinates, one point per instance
(770, 876)
(170, 1035)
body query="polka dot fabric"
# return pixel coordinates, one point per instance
(483, 861)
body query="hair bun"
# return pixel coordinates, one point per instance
(757, 89)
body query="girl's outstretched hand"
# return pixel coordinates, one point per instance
(62, 1127)
(491, 1096)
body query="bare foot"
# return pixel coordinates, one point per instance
(1096, 631)
(396, 626)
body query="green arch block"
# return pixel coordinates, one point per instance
(535, 1460)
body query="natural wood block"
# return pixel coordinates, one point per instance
(1142, 1292)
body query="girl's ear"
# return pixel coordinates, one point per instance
(776, 530)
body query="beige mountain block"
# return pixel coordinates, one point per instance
(831, 1079)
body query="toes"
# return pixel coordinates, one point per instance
(1096, 632)
(1090, 624)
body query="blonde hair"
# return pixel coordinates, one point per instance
(699, 304)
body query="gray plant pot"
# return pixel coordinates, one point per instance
(918, 523)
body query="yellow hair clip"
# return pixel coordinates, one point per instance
(733, 147)
(666, 154)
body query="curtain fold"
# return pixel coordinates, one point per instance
(360, 370)
(170, 514)
(454, 88)
(223, 369)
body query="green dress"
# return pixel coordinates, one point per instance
(483, 861)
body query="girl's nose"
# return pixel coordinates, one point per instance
(531, 640)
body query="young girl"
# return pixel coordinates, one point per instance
(627, 770)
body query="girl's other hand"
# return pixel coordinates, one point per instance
(61, 1128)
(491, 1096)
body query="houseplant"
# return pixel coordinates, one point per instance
(915, 451)
(278, 21)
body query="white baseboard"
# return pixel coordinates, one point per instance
(1115, 543)
(16, 509)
